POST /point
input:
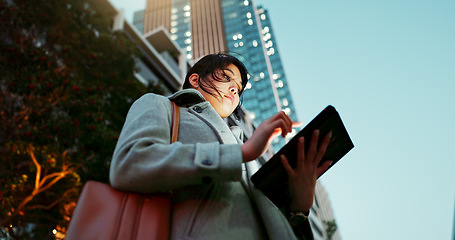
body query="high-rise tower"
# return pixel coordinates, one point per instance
(249, 33)
(196, 25)
(238, 27)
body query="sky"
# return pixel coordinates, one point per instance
(388, 67)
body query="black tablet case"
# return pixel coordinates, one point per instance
(272, 178)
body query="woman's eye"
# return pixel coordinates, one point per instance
(227, 77)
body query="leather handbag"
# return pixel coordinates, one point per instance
(103, 212)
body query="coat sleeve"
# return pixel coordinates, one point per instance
(145, 161)
(303, 231)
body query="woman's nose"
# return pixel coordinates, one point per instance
(233, 90)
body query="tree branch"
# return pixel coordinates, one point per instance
(39, 185)
(64, 195)
(50, 184)
(38, 168)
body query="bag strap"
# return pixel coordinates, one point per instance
(175, 122)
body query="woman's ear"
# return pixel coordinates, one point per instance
(194, 80)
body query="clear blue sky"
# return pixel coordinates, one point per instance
(389, 68)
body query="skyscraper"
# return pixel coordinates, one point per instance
(202, 27)
(196, 25)
(249, 33)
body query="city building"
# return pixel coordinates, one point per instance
(138, 20)
(162, 63)
(238, 27)
(322, 213)
(249, 34)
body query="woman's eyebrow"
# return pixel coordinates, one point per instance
(229, 70)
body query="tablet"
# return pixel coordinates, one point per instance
(272, 178)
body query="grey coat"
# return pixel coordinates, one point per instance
(213, 197)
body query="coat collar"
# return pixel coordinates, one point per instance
(187, 97)
(193, 99)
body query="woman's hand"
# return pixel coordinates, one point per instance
(260, 140)
(302, 179)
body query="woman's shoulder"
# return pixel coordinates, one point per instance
(150, 102)
(152, 97)
(185, 98)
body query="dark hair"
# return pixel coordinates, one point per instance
(208, 66)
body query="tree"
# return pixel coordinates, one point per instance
(330, 228)
(66, 83)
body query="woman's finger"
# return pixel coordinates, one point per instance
(300, 153)
(321, 169)
(288, 121)
(322, 149)
(313, 146)
(276, 133)
(286, 166)
(281, 124)
(297, 124)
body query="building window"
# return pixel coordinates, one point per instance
(279, 84)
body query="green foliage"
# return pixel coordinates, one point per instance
(330, 228)
(66, 83)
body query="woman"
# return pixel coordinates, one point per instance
(212, 197)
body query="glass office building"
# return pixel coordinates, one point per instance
(181, 25)
(249, 33)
